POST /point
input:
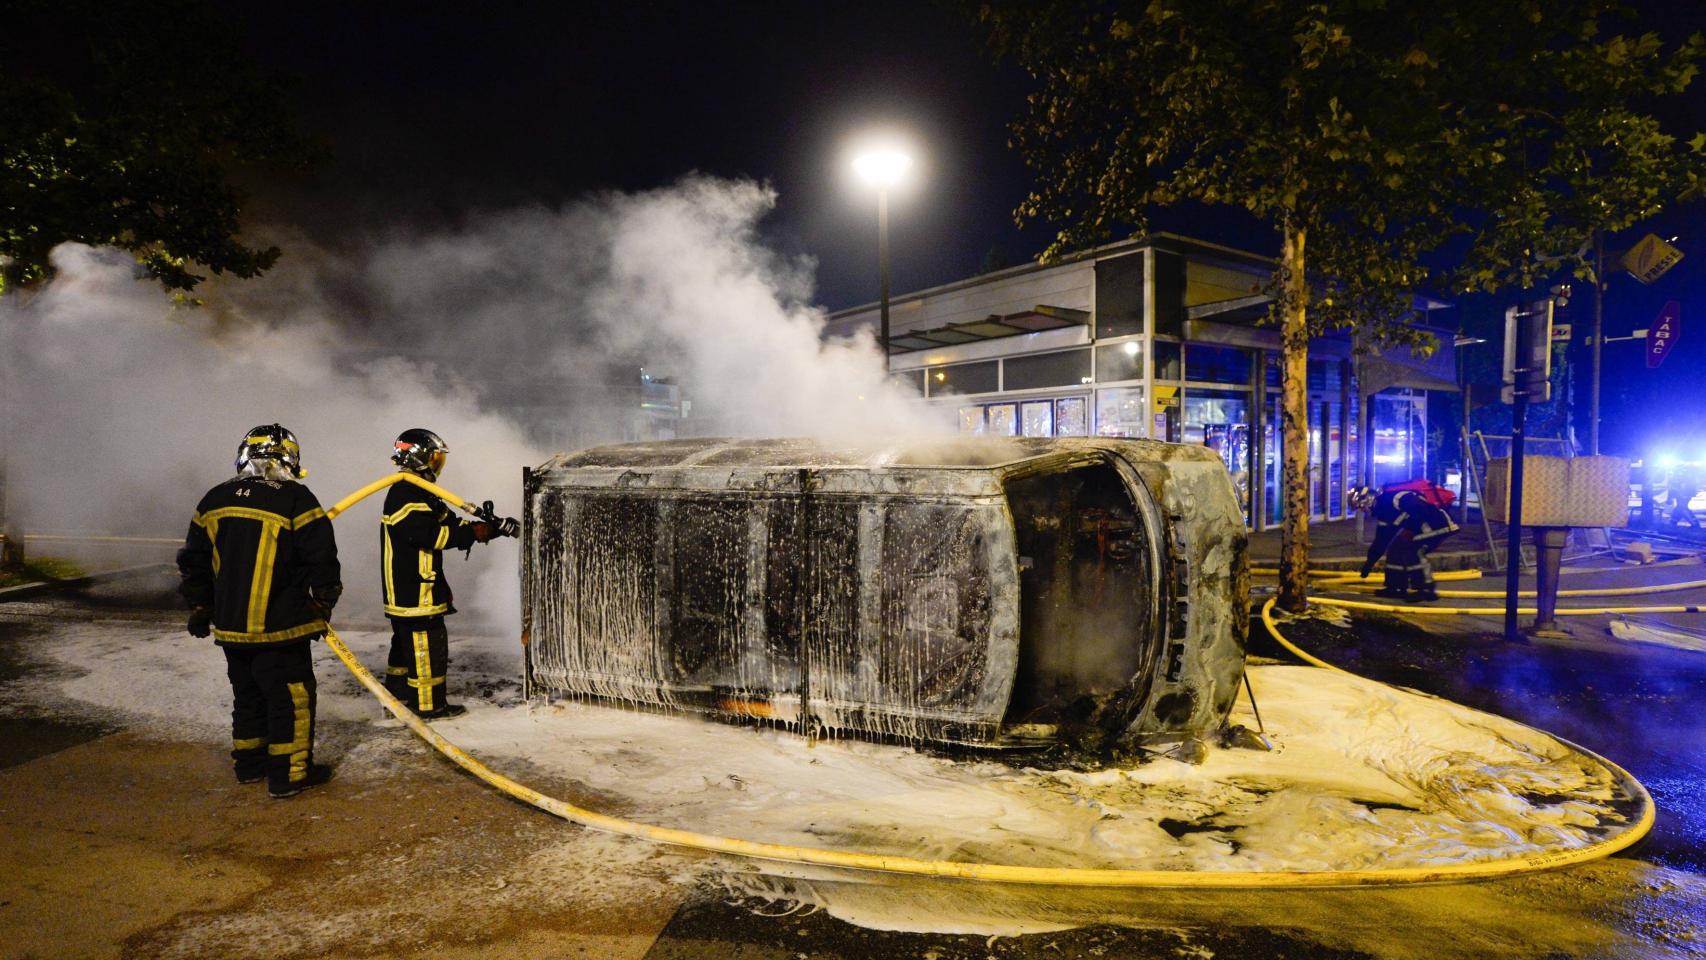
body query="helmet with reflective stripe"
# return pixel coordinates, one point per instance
(421, 451)
(270, 443)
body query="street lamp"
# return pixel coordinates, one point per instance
(882, 168)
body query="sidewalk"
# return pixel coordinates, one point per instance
(1334, 546)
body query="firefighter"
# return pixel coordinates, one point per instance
(259, 568)
(413, 533)
(1411, 520)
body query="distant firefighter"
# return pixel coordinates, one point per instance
(1412, 521)
(1684, 487)
(413, 534)
(260, 572)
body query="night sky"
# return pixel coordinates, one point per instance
(435, 110)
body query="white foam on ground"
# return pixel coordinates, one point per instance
(1362, 775)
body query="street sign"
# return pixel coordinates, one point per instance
(1648, 260)
(1663, 335)
(1528, 352)
(1560, 331)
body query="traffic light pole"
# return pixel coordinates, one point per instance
(1598, 338)
(1513, 526)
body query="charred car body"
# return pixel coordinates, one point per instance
(965, 591)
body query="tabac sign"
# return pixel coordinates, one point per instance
(1648, 260)
(1664, 333)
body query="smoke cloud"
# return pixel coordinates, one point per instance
(520, 334)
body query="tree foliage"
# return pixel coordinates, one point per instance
(1394, 146)
(120, 124)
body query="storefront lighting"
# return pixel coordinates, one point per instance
(1666, 461)
(1131, 348)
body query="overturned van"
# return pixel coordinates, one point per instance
(963, 591)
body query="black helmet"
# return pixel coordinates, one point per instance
(270, 442)
(421, 451)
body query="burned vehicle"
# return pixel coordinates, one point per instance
(959, 591)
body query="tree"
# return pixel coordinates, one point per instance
(120, 124)
(1376, 137)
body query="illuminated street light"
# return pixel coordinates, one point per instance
(882, 168)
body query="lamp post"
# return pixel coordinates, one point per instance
(882, 169)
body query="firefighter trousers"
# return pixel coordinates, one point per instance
(1407, 567)
(420, 658)
(272, 711)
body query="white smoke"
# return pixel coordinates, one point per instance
(517, 335)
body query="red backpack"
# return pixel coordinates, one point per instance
(1431, 492)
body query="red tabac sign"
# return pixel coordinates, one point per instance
(1664, 333)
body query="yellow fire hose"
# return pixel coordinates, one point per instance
(985, 872)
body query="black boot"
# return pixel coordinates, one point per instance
(318, 773)
(444, 712)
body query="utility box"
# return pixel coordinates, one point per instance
(1562, 491)
(964, 591)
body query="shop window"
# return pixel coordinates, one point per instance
(965, 378)
(1069, 417)
(1002, 419)
(909, 381)
(1119, 296)
(1167, 365)
(971, 421)
(1068, 368)
(1211, 364)
(1119, 412)
(1119, 361)
(1220, 420)
(1272, 368)
(1326, 375)
(1036, 418)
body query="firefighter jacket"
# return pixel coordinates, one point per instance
(254, 551)
(1397, 510)
(413, 533)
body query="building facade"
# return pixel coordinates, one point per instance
(1157, 337)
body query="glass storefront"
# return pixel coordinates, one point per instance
(1042, 417)
(1119, 412)
(1399, 423)
(1220, 420)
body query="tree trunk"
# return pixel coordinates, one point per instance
(1294, 423)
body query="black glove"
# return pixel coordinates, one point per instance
(509, 527)
(1367, 569)
(321, 600)
(200, 623)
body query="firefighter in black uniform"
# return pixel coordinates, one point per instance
(1411, 521)
(260, 572)
(413, 534)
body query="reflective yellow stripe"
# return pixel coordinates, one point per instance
(260, 588)
(405, 510)
(433, 682)
(306, 517)
(247, 513)
(423, 670)
(238, 636)
(385, 563)
(426, 593)
(432, 611)
(396, 671)
(425, 565)
(303, 721)
(443, 538)
(211, 524)
(249, 743)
